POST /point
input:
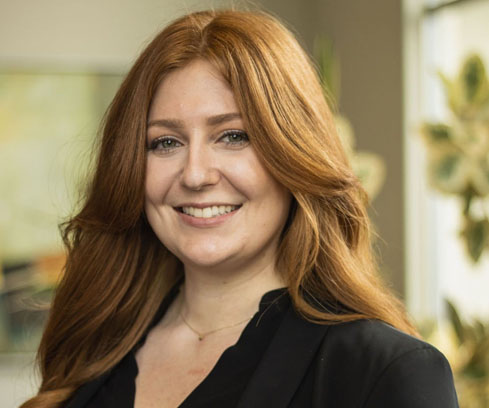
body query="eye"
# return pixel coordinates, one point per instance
(164, 144)
(235, 137)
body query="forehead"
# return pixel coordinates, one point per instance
(196, 90)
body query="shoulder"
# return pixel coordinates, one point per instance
(372, 337)
(384, 366)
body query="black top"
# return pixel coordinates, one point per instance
(226, 382)
(284, 361)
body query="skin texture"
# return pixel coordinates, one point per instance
(203, 166)
(229, 261)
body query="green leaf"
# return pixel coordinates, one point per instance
(477, 366)
(447, 166)
(447, 170)
(480, 330)
(435, 133)
(455, 321)
(474, 80)
(476, 234)
(468, 197)
(452, 92)
(469, 92)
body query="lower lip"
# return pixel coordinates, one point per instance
(206, 222)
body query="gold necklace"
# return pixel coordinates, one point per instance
(202, 335)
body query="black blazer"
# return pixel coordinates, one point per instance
(361, 364)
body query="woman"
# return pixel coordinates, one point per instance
(222, 256)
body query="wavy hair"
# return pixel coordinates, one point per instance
(117, 271)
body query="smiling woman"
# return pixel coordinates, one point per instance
(222, 257)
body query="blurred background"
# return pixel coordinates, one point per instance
(412, 100)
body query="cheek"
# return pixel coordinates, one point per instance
(255, 181)
(158, 181)
(247, 173)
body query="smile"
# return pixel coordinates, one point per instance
(208, 212)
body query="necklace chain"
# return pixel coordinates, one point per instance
(201, 336)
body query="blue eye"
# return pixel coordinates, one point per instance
(164, 144)
(235, 137)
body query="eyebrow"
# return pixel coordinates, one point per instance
(179, 124)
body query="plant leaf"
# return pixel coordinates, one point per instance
(480, 330)
(456, 322)
(477, 366)
(474, 80)
(435, 133)
(452, 91)
(476, 234)
(447, 170)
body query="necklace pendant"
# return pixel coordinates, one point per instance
(201, 338)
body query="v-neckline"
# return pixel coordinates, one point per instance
(236, 364)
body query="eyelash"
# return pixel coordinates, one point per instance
(228, 133)
(159, 141)
(153, 146)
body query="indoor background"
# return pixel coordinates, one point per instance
(418, 136)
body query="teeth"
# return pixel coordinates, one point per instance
(209, 212)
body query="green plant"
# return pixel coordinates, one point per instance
(458, 152)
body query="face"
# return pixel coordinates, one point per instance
(208, 198)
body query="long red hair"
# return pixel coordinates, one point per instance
(118, 272)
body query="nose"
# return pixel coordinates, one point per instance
(200, 168)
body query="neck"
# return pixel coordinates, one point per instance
(212, 301)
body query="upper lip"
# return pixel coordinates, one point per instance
(205, 205)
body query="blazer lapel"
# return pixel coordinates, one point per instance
(284, 364)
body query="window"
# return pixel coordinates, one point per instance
(438, 37)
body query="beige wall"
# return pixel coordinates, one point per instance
(103, 34)
(367, 38)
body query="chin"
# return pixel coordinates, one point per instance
(211, 253)
(206, 262)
